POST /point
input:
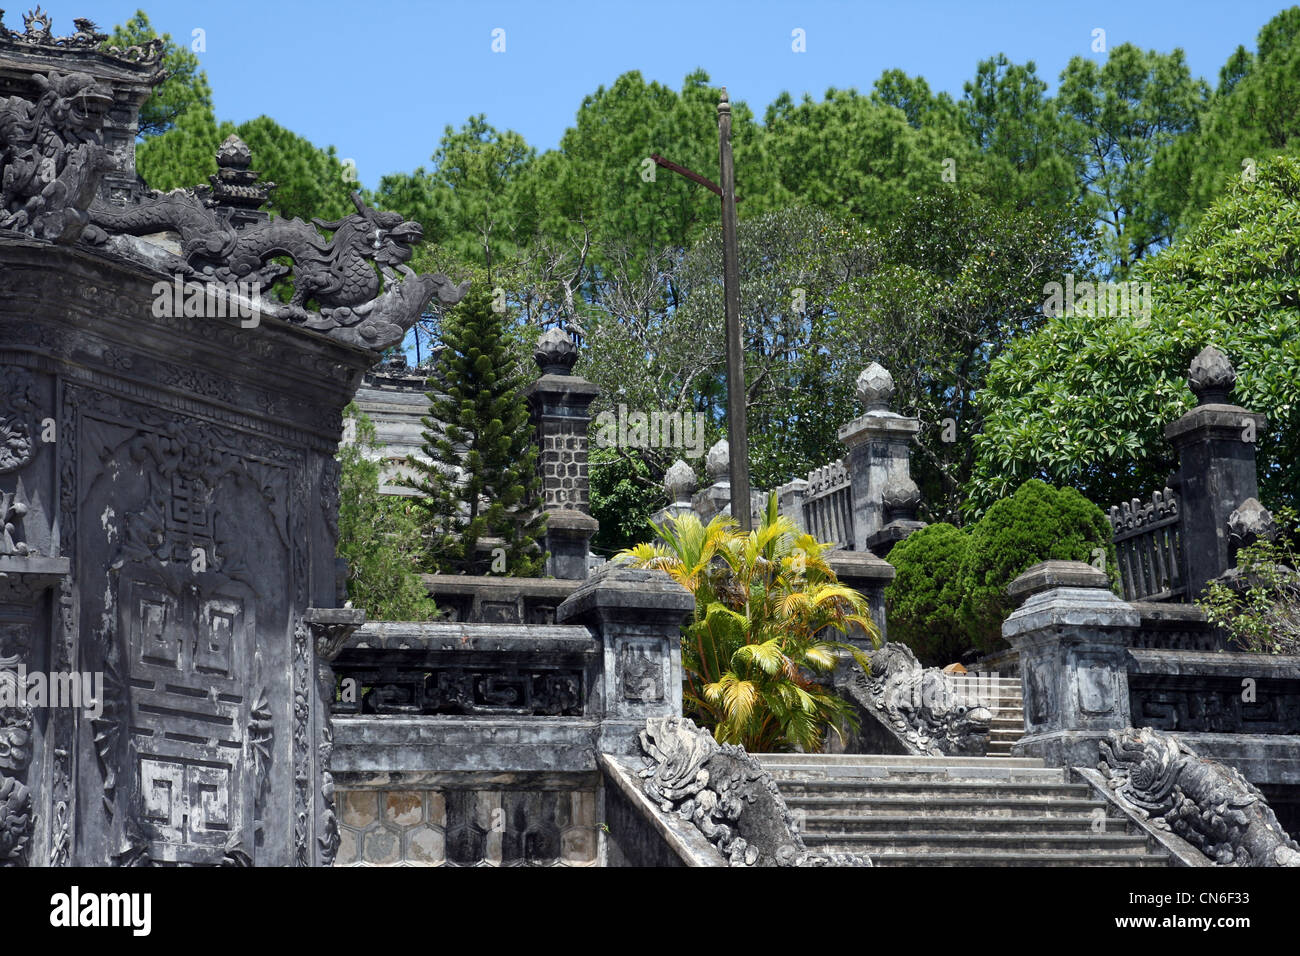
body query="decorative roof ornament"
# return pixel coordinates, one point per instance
(234, 185)
(353, 303)
(556, 353)
(1211, 377)
(875, 387)
(38, 32)
(679, 482)
(717, 463)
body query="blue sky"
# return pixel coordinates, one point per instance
(380, 80)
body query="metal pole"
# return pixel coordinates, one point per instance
(737, 431)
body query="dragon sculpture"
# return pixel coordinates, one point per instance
(732, 800)
(51, 156)
(919, 705)
(1211, 806)
(356, 303)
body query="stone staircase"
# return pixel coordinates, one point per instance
(955, 811)
(1001, 695)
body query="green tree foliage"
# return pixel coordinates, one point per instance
(624, 494)
(1037, 523)
(935, 298)
(1260, 606)
(924, 600)
(465, 204)
(1253, 115)
(185, 87)
(755, 646)
(310, 182)
(378, 536)
(859, 156)
(1084, 401)
(1018, 132)
(478, 423)
(1117, 117)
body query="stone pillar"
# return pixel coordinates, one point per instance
(559, 403)
(330, 629)
(868, 575)
(879, 444)
(1215, 442)
(1071, 633)
(789, 502)
(638, 616)
(713, 500)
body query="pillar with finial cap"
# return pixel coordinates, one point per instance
(559, 404)
(880, 454)
(1215, 442)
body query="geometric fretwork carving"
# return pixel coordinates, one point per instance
(188, 705)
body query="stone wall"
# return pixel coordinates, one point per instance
(527, 825)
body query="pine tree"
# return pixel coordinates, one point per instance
(478, 424)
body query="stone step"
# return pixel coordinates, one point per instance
(772, 761)
(923, 842)
(1000, 807)
(964, 821)
(1005, 768)
(1016, 859)
(952, 789)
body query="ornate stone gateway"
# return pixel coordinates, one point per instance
(167, 481)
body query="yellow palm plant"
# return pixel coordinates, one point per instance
(765, 602)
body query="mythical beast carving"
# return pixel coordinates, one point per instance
(730, 798)
(338, 274)
(51, 156)
(920, 704)
(1211, 806)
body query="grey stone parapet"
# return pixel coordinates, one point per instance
(637, 615)
(1071, 633)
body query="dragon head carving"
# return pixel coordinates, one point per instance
(388, 237)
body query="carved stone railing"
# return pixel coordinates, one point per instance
(1148, 547)
(828, 504)
(452, 669)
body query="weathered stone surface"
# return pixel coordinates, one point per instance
(1047, 575)
(616, 588)
(717, 462)
(1072, 644)
(1210, 805)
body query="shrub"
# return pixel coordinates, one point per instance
(766, 604)
(379, 536)
(1037, 523)
(925, 597)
